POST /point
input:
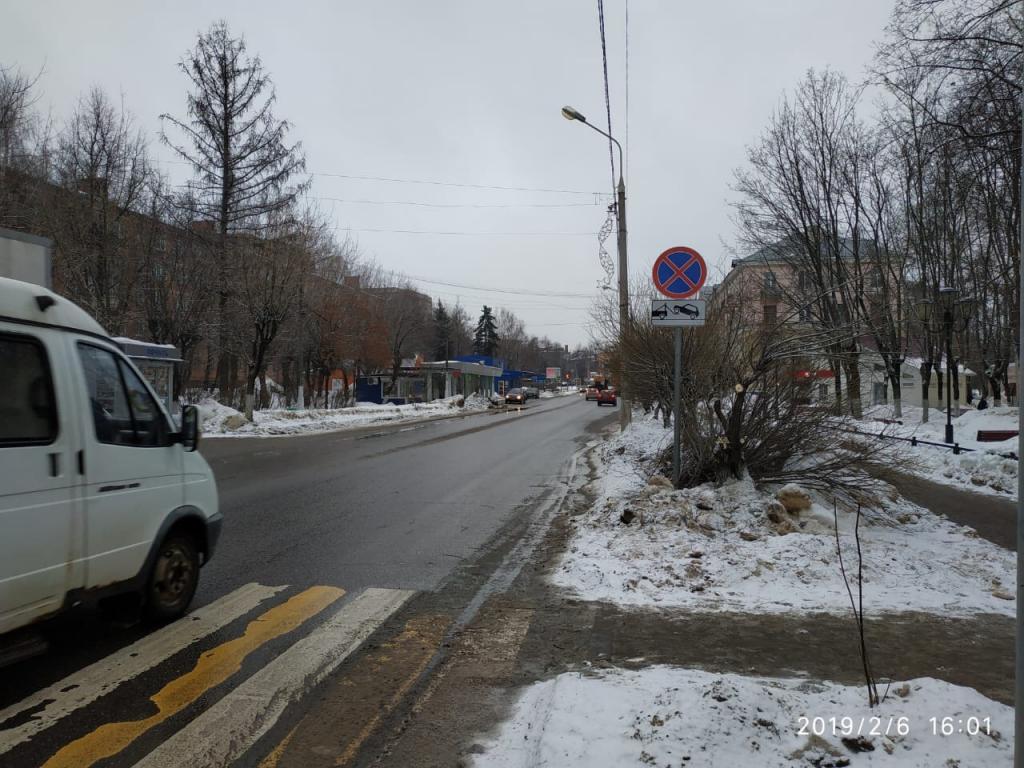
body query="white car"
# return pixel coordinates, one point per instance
(100, 493)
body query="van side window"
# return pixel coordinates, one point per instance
(110, 412)
(149, 423)
(123, 411)
(28, 408)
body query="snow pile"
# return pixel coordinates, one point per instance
(986, 468)
(680, 717)
(221, 421)
(739, 548)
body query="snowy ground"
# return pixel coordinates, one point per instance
(986, 469)
(735, 548)
(221, 421)
(666, 716)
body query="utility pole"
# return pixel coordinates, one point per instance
(626, 408)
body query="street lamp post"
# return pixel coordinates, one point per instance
(626, 410)
(955, 315)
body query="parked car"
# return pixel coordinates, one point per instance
(591, 393)
(101, 493)
(607, 396)
(515, 397)
(531, 393)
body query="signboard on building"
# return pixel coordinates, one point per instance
(552, 373)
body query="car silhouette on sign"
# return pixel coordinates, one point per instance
(686, 309)
(661, 311)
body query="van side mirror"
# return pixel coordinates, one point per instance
(190, 427)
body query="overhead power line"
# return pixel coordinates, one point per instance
(465, 234)
(607, 91)
(511, 291)
(454, 205)
(430, 182)
(454, 184)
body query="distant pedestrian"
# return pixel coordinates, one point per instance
(982, 404)
(970, 395)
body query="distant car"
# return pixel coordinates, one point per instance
(607, 397)
(531, 392)
(515, 396)
(591, 393)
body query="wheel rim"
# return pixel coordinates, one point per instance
(175, 572)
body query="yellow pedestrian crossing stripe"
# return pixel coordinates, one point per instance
(331, 630)
(213, 668)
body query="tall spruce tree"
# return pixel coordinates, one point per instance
(485, 338)
(442, 332)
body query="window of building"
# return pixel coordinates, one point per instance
(770, 314)
(28, 408)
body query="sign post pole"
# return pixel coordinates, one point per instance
(678, 275)
(676, 398)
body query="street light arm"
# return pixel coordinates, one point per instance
(607, 136)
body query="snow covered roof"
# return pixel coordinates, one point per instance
(27, 302)
(464, 367)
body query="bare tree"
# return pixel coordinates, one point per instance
(102, 164)
(245, 169)
(176, 277)
(271, 274)
(22, 149)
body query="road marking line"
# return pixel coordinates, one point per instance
(213, 668)
(428, 630)
(271, 760)
(236, 722)
(85, 686)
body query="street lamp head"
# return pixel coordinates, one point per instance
(571, 114)
(924, 310)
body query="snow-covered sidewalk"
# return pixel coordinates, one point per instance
(756, 550)
(739, 548)
(986, 468)
(666, 716)
(221, 421)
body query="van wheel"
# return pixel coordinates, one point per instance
(174, 578)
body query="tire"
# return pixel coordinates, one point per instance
(174, 578)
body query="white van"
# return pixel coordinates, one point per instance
(100, 494)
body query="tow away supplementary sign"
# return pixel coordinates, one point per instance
(677, 312)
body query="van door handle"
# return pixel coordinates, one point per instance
(54, 464)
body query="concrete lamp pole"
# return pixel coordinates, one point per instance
(626, 409)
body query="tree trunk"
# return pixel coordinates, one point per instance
(250, 386)
(897, 394)
(997, 393)
(853, 385)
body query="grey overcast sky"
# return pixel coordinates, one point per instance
(469, 92)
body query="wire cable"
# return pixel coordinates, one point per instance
(607, 92)
(453, 205)
(464, 234)
(511, 291)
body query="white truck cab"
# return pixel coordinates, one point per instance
(100, 493)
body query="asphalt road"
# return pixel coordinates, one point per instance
(396, 509)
